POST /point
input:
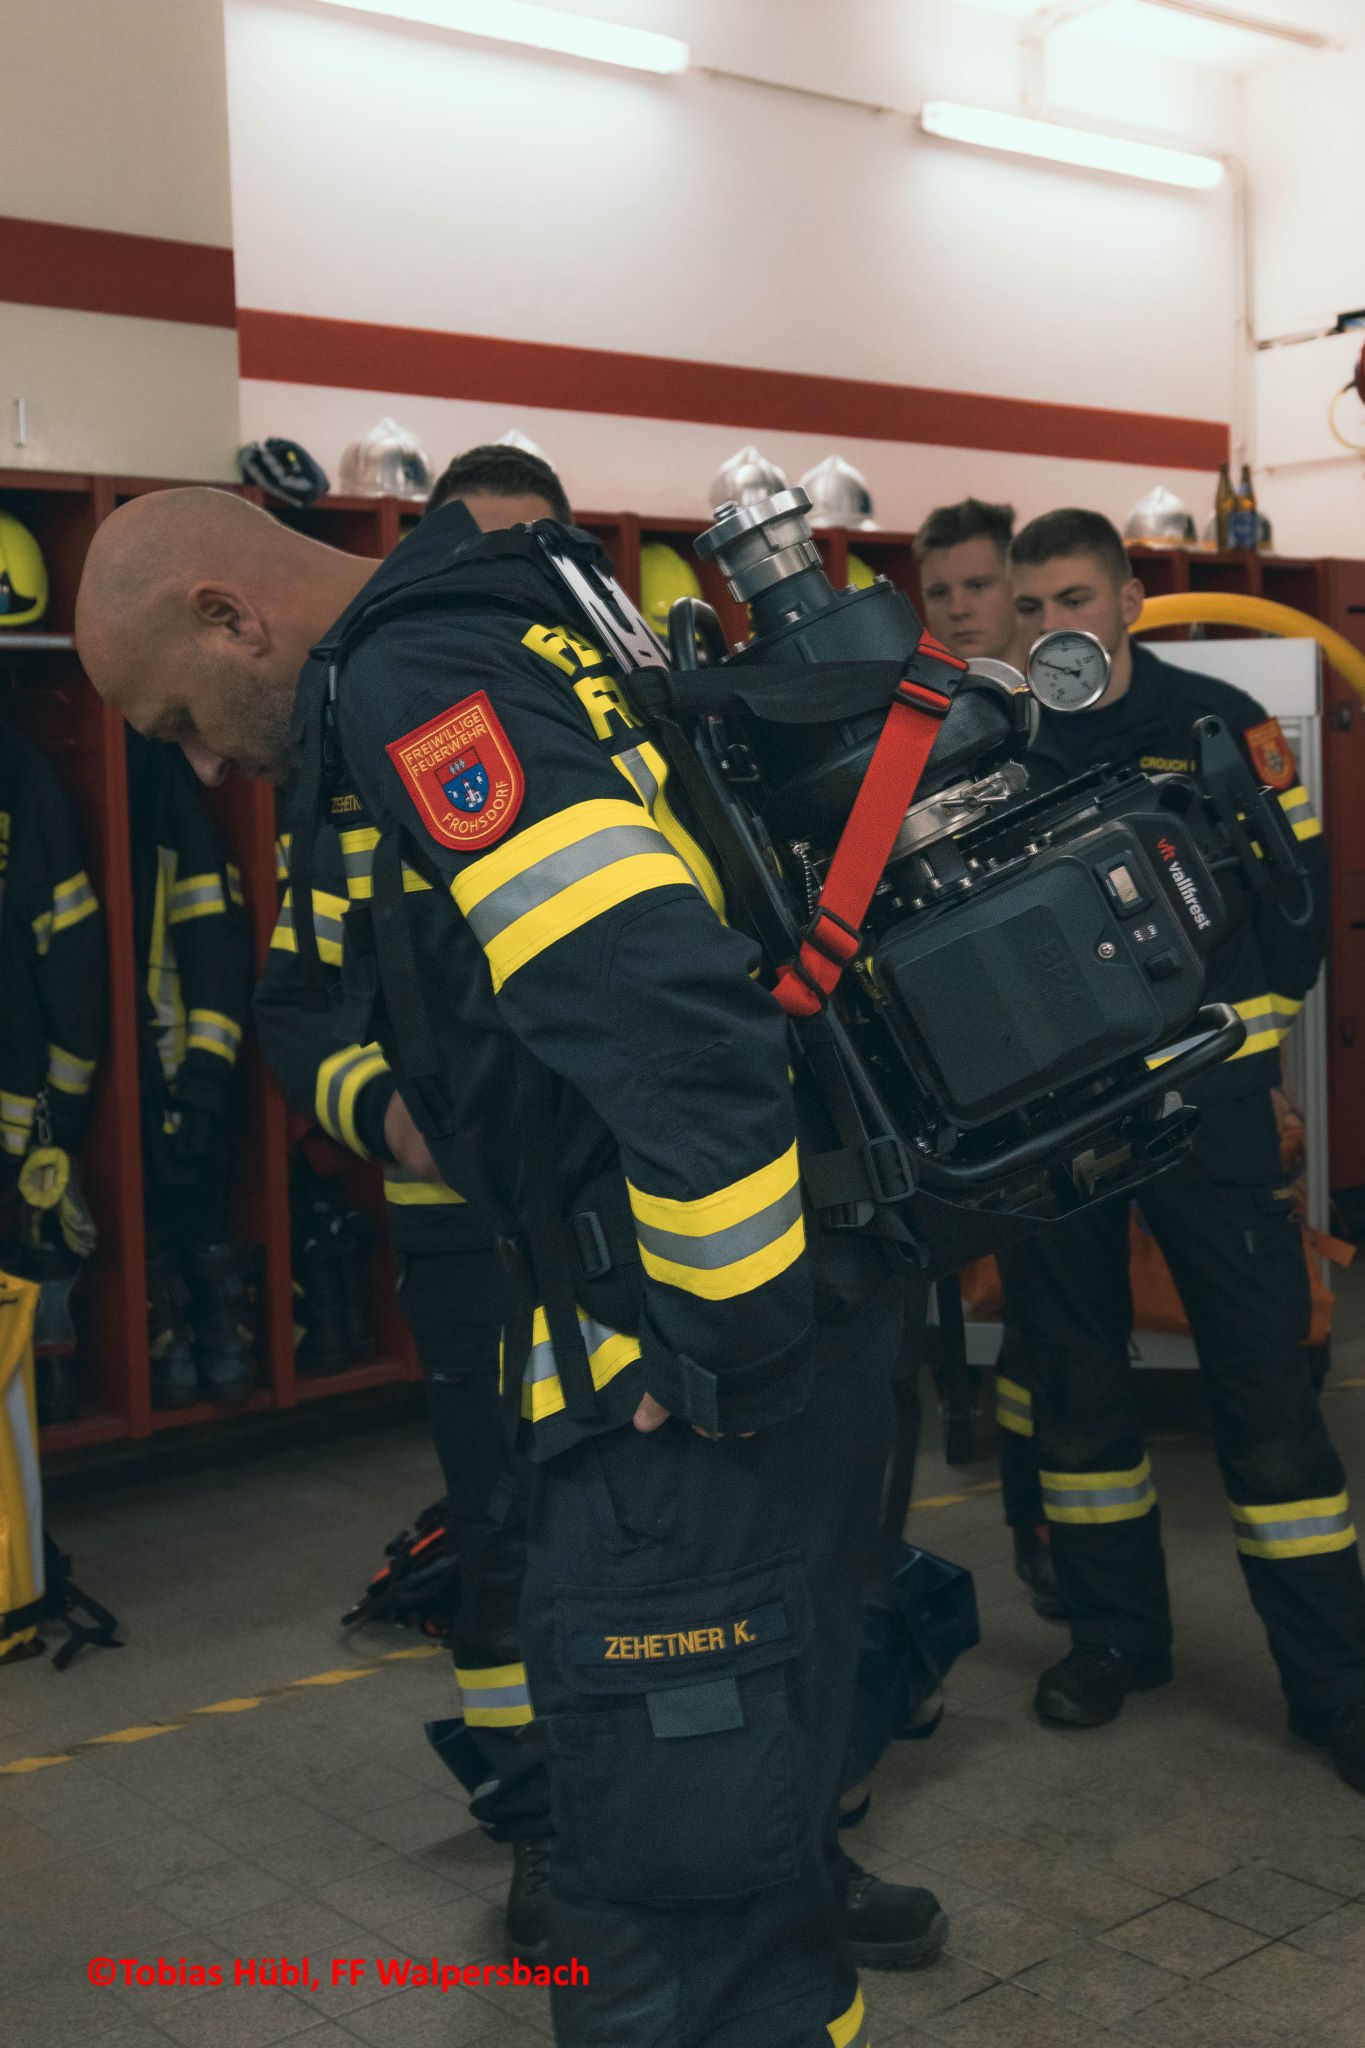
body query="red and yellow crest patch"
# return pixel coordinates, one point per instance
(1271, 754)
(461, 773)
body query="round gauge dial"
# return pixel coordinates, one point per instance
(1068, 670)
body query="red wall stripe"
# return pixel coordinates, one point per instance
(93, 270)
(291, 348)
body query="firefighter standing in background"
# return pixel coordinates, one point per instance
(450, 1285)
(193, 950)
(1223, 1219)
(962, 553)
(53, 1023)
(582, 1040)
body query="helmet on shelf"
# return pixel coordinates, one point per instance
(283, 470)
(388, 462)
(838, 494)
(745, 478)
(1161, 519)
(23, 575)
(514, 438)
(664, 577)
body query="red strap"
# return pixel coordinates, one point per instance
(887, 790)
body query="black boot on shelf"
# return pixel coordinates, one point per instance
(226, 1318)
(357, 1238)
(323, 1346)
(175, 1383)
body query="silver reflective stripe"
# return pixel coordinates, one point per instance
(1294, 1528)
(486, 1697)
(65, 1071)
(205, 892)
(72, 900)
(536, 885)
(541, 1363)
(324, 926)
(725, 1246)
(641, 774)
(202, 1027)
(1098, 1496)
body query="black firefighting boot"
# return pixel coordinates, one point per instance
(887, 1926)
(1340, 1729)
(175, 1383)
(55, 1373)
(527, 1931)
(1033, 1564)
(356, 1241)
(1093, 1680)
(226, 1294)
(323, 1345)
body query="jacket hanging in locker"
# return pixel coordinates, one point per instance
(191, 936)
(53, 1020)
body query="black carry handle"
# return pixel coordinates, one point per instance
(1248, 813)
(1221, 1033)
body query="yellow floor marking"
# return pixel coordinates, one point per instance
(136, 1734)
(334, 1677)
(230, 1706)
(31, 1763)
(425, 1650)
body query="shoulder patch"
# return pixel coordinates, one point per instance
(461, 773)
(1271, 754)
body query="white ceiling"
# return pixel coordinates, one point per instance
(1140, 25)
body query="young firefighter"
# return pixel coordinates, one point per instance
(1223, 1221)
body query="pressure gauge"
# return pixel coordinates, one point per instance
(1068, 670)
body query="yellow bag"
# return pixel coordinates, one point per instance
(21, 1487)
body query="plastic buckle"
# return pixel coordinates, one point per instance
(890, 1171)
(921, 697)
(813, 937)
(590, 1241)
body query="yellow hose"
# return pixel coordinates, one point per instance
(1225, 608)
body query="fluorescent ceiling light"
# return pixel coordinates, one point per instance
(1083, 147)
(536, 28)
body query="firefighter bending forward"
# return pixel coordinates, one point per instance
(705, 1394)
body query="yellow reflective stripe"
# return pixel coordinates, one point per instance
(1308, 828)
(609, 1352)
(496, 1696)
(1013, 1406)
(1297, 806)
(234, 882)
(42, 932)
(67, 1071)
(732, 1204)
(1269, 1020)
(196, 896)
(646, 770)
(850, 2029)
(16, 1121)
(1091, 1497)
(72, 900)
(357, 852)
(559, 875)
(726, 1243)
(328, 930)
(405, 1191)
(282, 845)
(211, 1031)
(341, 1077)
(1294, 1528)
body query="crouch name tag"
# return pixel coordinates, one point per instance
(462, 775)
(700, 1642)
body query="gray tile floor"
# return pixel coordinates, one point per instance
(1187, 1878)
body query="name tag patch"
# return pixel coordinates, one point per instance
(462, 775)
(706, 1640)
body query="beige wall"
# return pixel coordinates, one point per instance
(113, 115)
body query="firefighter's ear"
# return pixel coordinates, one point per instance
(220, 609)
(1132, 597)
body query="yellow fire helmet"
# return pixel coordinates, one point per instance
(664, 577)
(860, 577)
(23, 575)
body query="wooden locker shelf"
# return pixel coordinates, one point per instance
(43, 689)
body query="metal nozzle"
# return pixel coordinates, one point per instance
(757, 546)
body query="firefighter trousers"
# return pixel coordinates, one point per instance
(452, 1301)
(1235, 1252)
(691, 1623)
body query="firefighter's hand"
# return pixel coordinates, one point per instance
(406, 1142)
(651, 1415)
